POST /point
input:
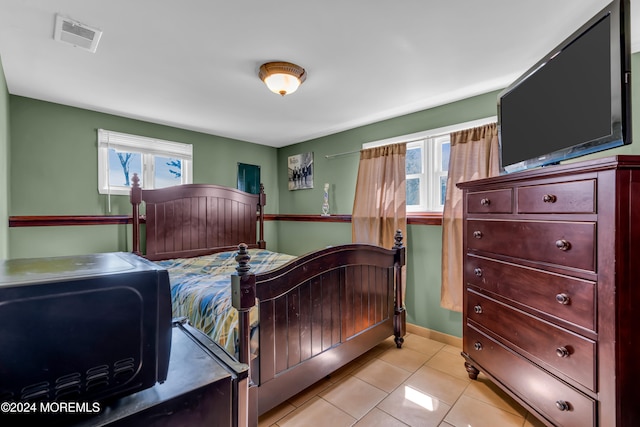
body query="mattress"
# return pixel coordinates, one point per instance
(201, 292)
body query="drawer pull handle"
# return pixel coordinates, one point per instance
(485, 202)
(477, 234)
(562, 352)
(477, 271)
(563, 245)
(477, 308)
(477, 345)
(549, 198)
(563, 405)
(563, 299)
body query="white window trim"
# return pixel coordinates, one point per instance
(418, 138)
(147, 147)
(422, 176)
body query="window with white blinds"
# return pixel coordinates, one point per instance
(157, 162)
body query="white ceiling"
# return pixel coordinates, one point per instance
(193, 64)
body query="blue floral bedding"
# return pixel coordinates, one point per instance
(201, 291)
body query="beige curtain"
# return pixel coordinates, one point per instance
(379, 207)
(474, 155)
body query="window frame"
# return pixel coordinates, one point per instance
(149, 149)
(431, 141)
(420, 176)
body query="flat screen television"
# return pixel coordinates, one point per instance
(574, 101)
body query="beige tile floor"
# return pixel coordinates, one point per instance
(422, 384)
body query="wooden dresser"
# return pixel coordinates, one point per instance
(552, 289)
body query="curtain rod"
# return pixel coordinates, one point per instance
(330, 156)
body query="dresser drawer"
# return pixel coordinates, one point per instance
(563, 351)
(565, 197)
(562, 297)
(492, 201)
(555, 400)
(564, 243)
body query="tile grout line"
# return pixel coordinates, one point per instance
(350, 374)
(400, 385)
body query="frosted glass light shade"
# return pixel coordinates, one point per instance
(282, 77)
(283, 84)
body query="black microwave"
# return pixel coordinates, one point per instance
(82, 328)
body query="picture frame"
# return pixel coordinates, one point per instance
(249, 178)
(300, 171)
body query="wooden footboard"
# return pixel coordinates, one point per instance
(320, 312)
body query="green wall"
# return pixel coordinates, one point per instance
(340, 172)
(424, 243)
(4, 166)
(54, 172)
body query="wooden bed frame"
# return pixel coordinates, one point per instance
(316, 313)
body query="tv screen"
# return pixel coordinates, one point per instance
(574, 101)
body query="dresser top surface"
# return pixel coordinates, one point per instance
(596, 165)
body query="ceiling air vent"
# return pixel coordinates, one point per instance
(77, 34)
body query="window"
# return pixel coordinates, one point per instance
(158, 163)
(427, 164)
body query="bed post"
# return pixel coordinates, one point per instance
(400, 315)
(262, 201)
(243, 298)
(136, 199)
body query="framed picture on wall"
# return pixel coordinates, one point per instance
(249, 178)
(300, 170)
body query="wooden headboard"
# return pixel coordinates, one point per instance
(196, 219)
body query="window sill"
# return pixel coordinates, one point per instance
(424, 218)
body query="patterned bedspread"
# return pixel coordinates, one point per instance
(201, 291)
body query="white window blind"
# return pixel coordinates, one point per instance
(158, 163)
(125, 142)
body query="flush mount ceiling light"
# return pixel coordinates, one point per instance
(282, 77)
